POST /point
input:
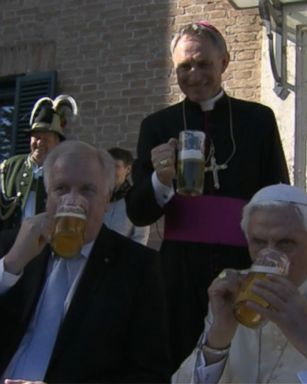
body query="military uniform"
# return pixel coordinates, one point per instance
(17, 181)
(20, 175)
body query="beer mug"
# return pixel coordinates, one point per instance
(67, 238)
(268, 261)
(191, 163)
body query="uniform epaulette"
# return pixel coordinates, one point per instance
(3, 166)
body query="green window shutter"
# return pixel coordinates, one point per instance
(29, 89)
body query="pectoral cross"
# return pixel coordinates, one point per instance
(215, 168)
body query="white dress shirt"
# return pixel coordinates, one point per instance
(30, 207)
(277, 362)
(116, 218)
(75, 267)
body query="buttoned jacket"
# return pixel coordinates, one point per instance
(115, 329)
(16, 182)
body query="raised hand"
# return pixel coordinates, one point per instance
(287, 308)
(32, 237)
(222, 293)
(163, 159)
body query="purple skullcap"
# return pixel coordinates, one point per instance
(198, 28)
(206, 24)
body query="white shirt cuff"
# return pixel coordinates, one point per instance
(7, 280)
(163, 193)
(208, 374)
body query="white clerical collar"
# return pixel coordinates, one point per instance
(208, 105)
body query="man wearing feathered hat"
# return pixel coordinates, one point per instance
(22, 192)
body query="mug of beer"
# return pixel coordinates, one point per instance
(191, 163)
(69, 228)
(268, 261)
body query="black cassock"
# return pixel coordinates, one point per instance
(258, 161)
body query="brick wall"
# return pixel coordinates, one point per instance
(113, 55)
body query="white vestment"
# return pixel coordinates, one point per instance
(278, 362)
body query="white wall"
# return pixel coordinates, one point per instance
(284, 109)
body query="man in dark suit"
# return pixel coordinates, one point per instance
(113, 326)
(243, 153)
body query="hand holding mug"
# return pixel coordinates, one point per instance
(268, 262)
(163, 160)
(222, 293)
(32, 237)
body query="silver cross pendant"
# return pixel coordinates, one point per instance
(215, 168)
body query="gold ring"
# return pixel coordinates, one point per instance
(163, 163)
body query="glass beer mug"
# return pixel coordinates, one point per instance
(67, 238)
(268, 261)
(191, 163)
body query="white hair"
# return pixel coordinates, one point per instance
(72, 149)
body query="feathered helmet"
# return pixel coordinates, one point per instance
(53, 115)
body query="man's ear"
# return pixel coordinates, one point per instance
(128, 169)
(225, 61)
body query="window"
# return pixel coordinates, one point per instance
(6, 115)
(18, 95)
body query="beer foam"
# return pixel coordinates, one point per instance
(267, 269)
(71, 214)
(191, 154)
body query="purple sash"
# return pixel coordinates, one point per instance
(205, 219)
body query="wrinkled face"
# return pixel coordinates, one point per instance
(87, 182)
(41, 144)
(121, 172)
(280, 228)
(199, 66)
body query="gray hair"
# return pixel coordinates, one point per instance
(74, 149)
(251, 207)
(199, 29)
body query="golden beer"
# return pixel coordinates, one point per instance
(269, 261)
(191, 163)
(242, 313)
(190, 176)
(68, 234)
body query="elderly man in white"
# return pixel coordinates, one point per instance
(276, 352)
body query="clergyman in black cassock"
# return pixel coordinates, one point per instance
(202, 234)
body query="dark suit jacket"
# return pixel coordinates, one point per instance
(115, 329)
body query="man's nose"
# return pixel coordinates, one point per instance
(195, 74)
(40, 141)
(73, 193)
(272, 245)
(75, 197)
